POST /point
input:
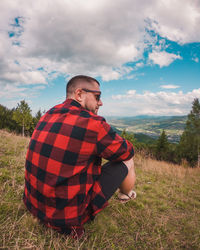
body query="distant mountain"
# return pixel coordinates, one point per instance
(151, 125)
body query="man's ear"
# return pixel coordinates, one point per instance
(78, 95)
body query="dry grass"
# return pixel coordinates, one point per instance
(165, 215)
(165, 168)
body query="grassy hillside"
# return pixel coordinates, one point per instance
(165, 215)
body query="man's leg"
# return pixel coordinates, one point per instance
(117, 175)
(129, 182)
(112, 175)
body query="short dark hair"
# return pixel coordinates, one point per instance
(73, 82)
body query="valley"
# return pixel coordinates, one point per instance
(151, 125)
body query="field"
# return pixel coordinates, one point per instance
(151, 126)
(165, 215)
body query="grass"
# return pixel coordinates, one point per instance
(165, 215)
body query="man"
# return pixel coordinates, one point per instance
(65, 183)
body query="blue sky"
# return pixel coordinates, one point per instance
(146, 57)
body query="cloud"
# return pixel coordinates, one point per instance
(195, 59)
(163, 58)
(9, 92)
(176, 20)
(41, 40)
(170, 86)
(139, 65)
(32, 77)
(150, 103)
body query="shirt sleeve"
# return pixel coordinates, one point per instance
(111, 146)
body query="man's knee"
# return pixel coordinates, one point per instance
(129, 164)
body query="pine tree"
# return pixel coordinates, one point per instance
(128, 136)
(38, 115)
(35, 121)
(162, 147)
(22, 115)
(189, 146)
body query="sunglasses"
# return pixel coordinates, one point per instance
(98, 96)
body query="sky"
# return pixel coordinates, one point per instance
(145, 53)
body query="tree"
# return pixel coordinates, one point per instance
(6, 119)
(38, 115)
(35, 121)
(128, 136)
(22, 116)
(189, 146)
(3, 116)
(162, 147)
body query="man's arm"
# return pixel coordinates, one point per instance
(111, 146)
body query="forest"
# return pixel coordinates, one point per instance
(186, 152)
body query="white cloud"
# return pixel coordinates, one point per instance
(94, 37)
(177, 20)
(10, 92)
(196, 59)
(163, 58)
(32, 77)
(170, 86)
(150, 103)
(139, 65)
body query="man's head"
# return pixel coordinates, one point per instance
(86, 91)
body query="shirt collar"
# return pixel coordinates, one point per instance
(72, 102)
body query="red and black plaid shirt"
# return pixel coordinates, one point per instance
(63, 164)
